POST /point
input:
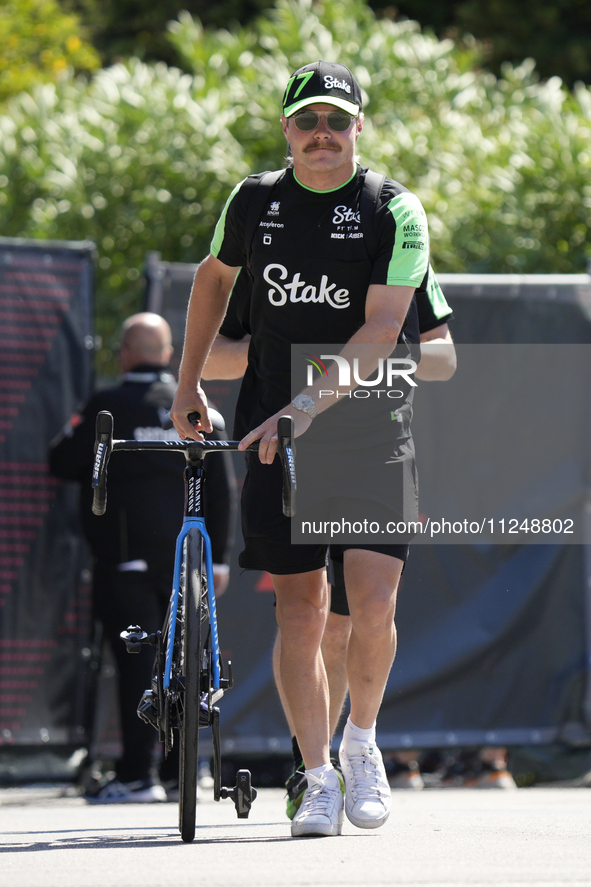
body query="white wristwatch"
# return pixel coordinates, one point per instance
(305, 403)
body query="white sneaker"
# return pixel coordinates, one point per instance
(321, 811)
(368, 797)
(140, 792)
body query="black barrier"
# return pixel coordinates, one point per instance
(494, 640)
(45, 621)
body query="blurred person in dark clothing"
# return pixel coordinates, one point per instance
(133, 543)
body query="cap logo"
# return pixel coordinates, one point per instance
(331, 83)
(322, 82)
(304, 78)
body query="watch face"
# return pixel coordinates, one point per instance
(305, 403)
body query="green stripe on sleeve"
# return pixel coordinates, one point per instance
(436, 297)
(410, 255)
(218, 234)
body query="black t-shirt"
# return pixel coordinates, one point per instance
(311, 272)
(432, 307)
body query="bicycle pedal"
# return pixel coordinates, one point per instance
(134, 637)
(243, 794)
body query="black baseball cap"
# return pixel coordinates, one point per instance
(325, 82)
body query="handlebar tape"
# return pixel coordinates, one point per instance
(286, 447)
(102, 452)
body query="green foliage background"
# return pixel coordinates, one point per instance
(557, 33)
(142, 156)
(38, 41)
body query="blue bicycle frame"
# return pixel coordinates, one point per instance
(188, 524)
(169, 702)
(193, 519)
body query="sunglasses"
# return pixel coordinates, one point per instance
(338, 121)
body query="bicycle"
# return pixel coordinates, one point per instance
(189, 675)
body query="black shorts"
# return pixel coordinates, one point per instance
(357, 495)
(336, 572)
(267, 532)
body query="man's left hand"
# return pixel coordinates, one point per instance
(267, 433)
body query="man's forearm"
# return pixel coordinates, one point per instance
(207, 307)
(227, 358)
(438, 355)
(438, 361)
(376, 339)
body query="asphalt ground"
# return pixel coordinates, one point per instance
(533, 836)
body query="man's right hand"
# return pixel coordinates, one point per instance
(190, 402)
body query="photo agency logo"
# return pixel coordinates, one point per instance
(367, 375)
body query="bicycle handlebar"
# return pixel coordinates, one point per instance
(105, 445)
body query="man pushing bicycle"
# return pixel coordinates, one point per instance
(316, 281)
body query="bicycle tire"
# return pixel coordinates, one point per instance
(193, 587)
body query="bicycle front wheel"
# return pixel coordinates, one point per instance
(194, 616)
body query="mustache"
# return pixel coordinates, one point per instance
(321, 146)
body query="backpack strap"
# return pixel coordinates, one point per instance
(261, 190)
(372, 188)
